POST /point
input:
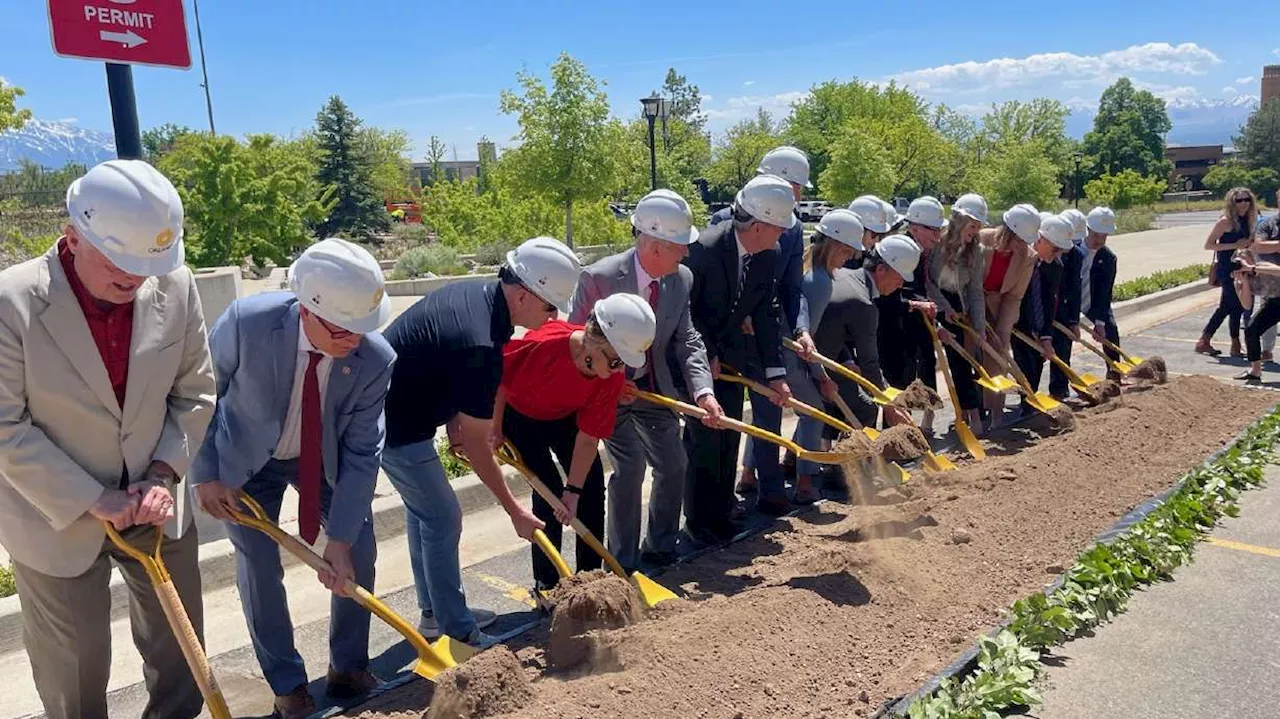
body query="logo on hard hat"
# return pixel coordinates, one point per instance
(163, 240)
(377, 298)
(647, 345)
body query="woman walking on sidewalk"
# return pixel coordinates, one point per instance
(561, 384)
(1233, 231)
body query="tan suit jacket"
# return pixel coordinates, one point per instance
(1003, 307)
(64, 437)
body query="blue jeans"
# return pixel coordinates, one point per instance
(808, 432)
(434, 528)
(259, 577)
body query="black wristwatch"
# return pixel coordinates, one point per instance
(573, 490)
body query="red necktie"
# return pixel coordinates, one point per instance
(310, 462)
(648, 354)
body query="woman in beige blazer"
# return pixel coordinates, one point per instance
(1007, 264)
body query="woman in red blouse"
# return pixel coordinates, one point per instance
(561, 385)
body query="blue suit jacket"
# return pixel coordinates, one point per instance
(789, 273)
(255, 350)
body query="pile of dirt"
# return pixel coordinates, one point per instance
(1152, 369)
(917, 395)
(581, 611)
(900, 443)
(834, 612)
(489, 684)
(857, 445)
(1063, 417)
(1104, 390)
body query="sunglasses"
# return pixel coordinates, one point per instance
(613, 361)
(546, 306)
(1244, 200)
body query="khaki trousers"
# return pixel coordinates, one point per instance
(67, 631)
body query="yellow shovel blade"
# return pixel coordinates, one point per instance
(998, 383)
(650, 591)
(969, 440)
(1043, 402)
(1089, 379)
(445, 655)
(1123, 367)
(825, 457)
(891, 392)
(872, 434)
(891, 471)
(938, 463)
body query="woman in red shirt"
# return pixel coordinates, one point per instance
(561, 385)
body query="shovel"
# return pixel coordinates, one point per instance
(433, 659)
(1120, 366)
(179, 622)
(963, 431)
(894, 470)
(651, 593)
(887, 469)
(1131, 361)
(881, 397)
(1077, 383)
(1038, 401)
(743, 427)
(1000, 384)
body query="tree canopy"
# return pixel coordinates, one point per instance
(1259, 139)
(347, 164)
(1128, 132)
(11, 116)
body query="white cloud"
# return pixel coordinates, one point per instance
(1276, 52)
(1244, 80)
(1230, 91)
(1171, 94)
(1068, 69)
(707, 98)
(748, 83)
(737, 108)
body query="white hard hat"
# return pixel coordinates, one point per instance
(1057, 230)
(871, 211)
(891, 214)
(546, 268)
(341, 283)
(1024, 221)
(925, 211)
(843, 226)
(629, 325)
(971, 205)
(1078, 222)
(1044, 215)
(769, 199)
(1102, 220)
(901, 253)
(789, 163)
(665, 215)
(131, 214)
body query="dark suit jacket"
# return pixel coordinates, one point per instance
(718, 308)
(1069, 294)
(1040, 303)
(1102, 280)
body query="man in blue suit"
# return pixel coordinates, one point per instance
(302, 378)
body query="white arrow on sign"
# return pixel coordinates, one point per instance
(129, 39)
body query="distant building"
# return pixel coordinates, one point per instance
(460, 170)
(1192, 162)
(1270, 83)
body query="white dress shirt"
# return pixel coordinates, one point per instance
(643, 279)
(290, 444)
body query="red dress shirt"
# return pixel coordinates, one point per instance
(111, 325)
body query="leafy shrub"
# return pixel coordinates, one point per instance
(1138, 219)
(8, 583)
(453, 467)
(1263, 181)
(411, 234)
(1124, 190)
(435, 259)
(493, 254)
(1156, 281)
(1023, 173)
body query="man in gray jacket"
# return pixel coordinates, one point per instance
(646, 433)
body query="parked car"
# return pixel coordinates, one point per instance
(813, 210)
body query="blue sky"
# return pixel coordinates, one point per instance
(432, 68)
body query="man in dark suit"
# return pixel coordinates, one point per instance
(1069, 302)
(1098, 279)
(1040, 303)
(732, 307)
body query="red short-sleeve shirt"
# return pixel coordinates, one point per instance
(541, 381)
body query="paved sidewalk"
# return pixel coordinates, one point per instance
(1204, 646)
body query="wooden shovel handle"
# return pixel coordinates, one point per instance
(192, 651)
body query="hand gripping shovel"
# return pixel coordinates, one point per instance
(179, 622)
(433, 659)
(1124, 368)
(882, 397)
(1077, 383)
(1038, 401)
(963, 431)
(893, 471)
(743, 427)
(651, 593)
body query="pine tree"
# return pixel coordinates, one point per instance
(346, 165)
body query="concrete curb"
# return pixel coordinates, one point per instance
(1155, 299)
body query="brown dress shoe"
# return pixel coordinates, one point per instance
(297, 704)
(352, 684)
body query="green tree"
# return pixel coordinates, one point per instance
(1020, 173)
(1223, 177)
(346, 164)
(436, 151)
(961, 150)
(1259, 139)
(1124, 190)
(738, 154)
(859, 165)
(246, 200)
(564, 153)
(684, 101)
(159, 141)
(11, 118)
(388, 151)
(1040, 120)
(1128, 132)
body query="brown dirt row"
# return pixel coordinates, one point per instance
(835, 612)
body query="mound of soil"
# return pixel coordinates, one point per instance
(1104, 390)
(581, 610)
(901, 442)
(489, 684)
(834, 612)
(1152, 369)
(917, 395)
(856, 444)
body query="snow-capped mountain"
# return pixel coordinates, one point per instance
(54, 144)
(1195, 122)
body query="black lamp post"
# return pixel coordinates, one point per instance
(1076, 190)
(653, 106)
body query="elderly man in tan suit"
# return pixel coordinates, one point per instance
(106, 387)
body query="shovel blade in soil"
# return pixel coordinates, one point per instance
(1043, 402)
(938, 463)
(444, 655)
(651, 593)
(970, 441)
(1087, 378)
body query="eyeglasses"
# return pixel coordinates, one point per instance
(546, 306)
(334, 331)
(1244, 200)
(613, 361)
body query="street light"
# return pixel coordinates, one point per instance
(1076, 190)
(653, 107)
